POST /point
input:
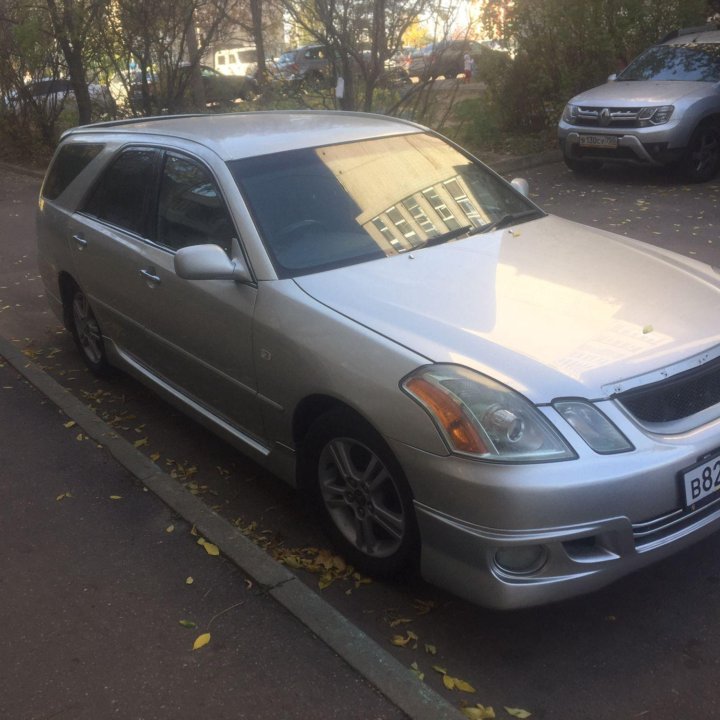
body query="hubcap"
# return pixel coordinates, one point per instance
(706, 152)
(87, 329)
(362, 498)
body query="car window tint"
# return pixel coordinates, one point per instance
(122, 194)
(70, 161)
(191, 210)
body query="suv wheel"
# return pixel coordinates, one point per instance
(702, 157)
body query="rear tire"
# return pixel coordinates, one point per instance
(361, 494)
(701, 161)
(86, 332)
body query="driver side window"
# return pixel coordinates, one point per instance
(191, 210)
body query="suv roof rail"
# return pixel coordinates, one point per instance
(689, 31)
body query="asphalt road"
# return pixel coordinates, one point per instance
(647, 647)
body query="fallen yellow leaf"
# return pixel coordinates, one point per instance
(463, 686)
(155, 456)
(189, 580)
(169, 528)
(69, 424)
(479, 712)
(430, 649)
(116, 497)
(210, 549)
(201, 641)
(448, 682)
(518, 713)
(141, 442)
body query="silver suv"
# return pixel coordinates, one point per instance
(662, 109)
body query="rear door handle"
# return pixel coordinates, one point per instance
(150, 277)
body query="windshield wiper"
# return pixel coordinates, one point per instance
(440, 239)
(508, 219)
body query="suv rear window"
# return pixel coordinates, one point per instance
(69, 163)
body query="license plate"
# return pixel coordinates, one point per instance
(702, 482)
(604, 141)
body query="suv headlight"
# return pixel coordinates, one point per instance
(655, 115)
(570, 114)
(479, 417)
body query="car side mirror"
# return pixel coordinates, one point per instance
(210, 262)
(522, 186)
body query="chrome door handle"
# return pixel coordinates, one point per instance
(150, 276)
(80, 241)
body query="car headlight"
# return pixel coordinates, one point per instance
(482, 418)
(655, 115)
(570, 114)
(593, 426)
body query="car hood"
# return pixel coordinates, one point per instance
(550, 307)
(641, 92)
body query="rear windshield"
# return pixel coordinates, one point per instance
(70, 161)
(325, 207)
(699, 62)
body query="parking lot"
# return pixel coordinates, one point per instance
(646, 647)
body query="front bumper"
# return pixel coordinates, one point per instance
(577, 559)
(588, 521)
(629, 150)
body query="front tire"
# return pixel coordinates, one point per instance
(701, 161)
(361, 493)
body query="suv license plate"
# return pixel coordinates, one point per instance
(605, 141)
(702, 481)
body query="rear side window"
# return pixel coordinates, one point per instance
(69, 163)
(124, 191)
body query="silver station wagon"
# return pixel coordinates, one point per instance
(525, 407)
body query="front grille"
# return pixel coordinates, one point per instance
(677, 397)
(674, 522)
(614, 117)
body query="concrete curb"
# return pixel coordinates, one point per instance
(525, 162)
(389, 676)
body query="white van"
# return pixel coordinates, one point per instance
(236, 61)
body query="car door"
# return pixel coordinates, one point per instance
(201, 329)
(107, 239)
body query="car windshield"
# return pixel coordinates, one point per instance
(326, 207)
(698, 62)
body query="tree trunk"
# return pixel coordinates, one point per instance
(256, 10)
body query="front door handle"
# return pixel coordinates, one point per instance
(150, 277)
(80, 241)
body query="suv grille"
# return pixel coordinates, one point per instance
(614, 117)
(677, 397)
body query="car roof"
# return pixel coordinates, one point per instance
(237, 135)
(689, 38)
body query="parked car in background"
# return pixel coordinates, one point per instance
(308, 63)
(526, 406)
(236, 61)
(444, 58)
(662, 109)
(220, 90)
(57, 94)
